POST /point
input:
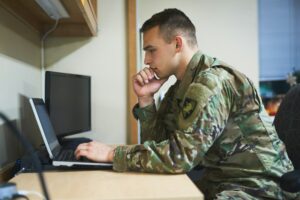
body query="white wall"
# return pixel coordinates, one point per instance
(103, 58)
(19, 75)
(17, 78)
(227, 29)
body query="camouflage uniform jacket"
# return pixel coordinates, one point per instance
(213, 117)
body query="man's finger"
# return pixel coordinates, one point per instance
(150, 74)
(144, 76)
(139, 80)
(80, 153)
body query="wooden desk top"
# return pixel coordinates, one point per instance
(103, 184)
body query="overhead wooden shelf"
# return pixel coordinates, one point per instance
(82, 20)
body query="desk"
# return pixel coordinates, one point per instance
(105, 184)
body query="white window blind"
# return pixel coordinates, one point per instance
(277, 35)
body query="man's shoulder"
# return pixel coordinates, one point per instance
(207, 78)
(218, 74)
(212, 77)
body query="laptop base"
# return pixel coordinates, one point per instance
(25, 164)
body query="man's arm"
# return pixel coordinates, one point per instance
(145, 85)
(156, 123)
(186, 146)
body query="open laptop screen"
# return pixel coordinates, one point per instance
(53, 147)
(44, 121)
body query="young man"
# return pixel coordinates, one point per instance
(212, 116)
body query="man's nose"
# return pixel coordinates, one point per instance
(147, 59)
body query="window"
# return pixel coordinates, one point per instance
(279, 29)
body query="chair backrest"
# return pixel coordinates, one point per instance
(287, 124)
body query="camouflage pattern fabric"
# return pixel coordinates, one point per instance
(213, 117)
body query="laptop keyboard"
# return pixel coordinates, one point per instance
(67, 155)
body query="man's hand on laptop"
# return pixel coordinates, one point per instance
(95, 151)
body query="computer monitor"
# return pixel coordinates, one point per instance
(272, 88)
(68, 102)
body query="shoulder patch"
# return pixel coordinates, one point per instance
(189, 106)
(195, 99)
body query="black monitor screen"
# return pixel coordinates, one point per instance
(68, 101)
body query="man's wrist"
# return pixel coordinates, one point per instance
(111, 155)
(120, 161)
(145, 101)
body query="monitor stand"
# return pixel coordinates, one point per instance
(72, 143)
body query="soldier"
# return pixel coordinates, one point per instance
(212, 116)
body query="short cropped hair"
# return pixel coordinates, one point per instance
(172, 22)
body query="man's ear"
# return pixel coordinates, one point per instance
(178, 43)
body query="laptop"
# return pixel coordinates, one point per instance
(60, 156)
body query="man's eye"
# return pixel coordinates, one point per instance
(152, 50)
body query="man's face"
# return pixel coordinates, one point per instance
(159, 55)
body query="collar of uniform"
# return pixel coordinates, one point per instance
(188, 75)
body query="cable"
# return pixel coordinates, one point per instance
(52, 29)
(43, 55)
(18, 196)
(29, 148)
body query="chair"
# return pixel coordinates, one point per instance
(287, 125)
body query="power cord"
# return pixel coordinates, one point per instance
(11, 186)
(43, 53)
